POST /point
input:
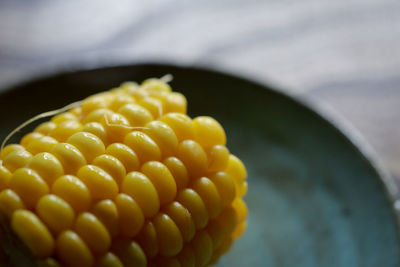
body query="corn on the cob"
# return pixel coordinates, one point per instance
(126, 179)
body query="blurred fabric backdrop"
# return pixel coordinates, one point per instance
(344, 53)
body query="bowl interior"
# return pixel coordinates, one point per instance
(313, 199)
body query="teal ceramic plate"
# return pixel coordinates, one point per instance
(314, 199)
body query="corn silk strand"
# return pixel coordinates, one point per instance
(166, 78)
(38, 117)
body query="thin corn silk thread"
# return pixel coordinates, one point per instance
(149, 199)
(167, 78)
(38, 117)
(123, 126)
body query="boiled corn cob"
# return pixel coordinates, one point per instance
(125, 179)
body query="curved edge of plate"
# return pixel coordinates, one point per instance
(323, 111)
(343, 127)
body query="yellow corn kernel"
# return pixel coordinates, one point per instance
(100, 184)
(65, 129)
(178, 171)
(116, 125)
(47, 166)
(225, 246)
(240, 208)
(137, 115)
(130, 253)
(128, 87)
(156, 85)
(29, 138)
(209, 194)
(162, 179)
(241, 189)
(46, 128)
(56, 213)
(66, 116)
(162, 96)
(194, 157)
(175, 102)
(29, 186)
(42, 144)
(94, 102)
(93, 232)
(202, 247)
(97, 129)
(214, 231)
(145, 148)
(142, 190)
(227, 220)
(109, 260)
(10, 202)
(239, 230)
(73, 191)
(119, 90)
(139, 94)
(112, 166)
(33, 232)
(153, 105)
(181, 124)
(130, 214)
(186, 257)
(72, 250)
(88, 144)
(147, 239)
(121, 100)
(124, 154)
(164, 136)
(5, 176)
(218, 157)
(10, 148)
(69, 156)
(106, 211)
(97, 115)
(77, 112)
(195, 205)
(17, 159)
(236, 169)
(182, 218)
(208, 132)
(168, 235)
(225, 187)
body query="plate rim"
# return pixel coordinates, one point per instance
(322, 111)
